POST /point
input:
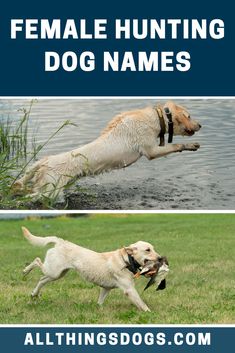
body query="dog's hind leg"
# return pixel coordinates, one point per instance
(44, 280)
(103, 294)
(35, 263)
(49, 276)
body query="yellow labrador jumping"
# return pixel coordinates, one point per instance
(126, 138)
(108, 270)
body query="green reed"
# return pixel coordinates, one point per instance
(16, 154)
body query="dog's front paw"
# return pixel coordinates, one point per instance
(192, 146)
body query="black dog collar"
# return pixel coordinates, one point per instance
(170, 124)
(132, 265)
(163, 126)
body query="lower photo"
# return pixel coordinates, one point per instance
(117, 268)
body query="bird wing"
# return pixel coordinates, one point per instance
(150, 282)
(162, 285)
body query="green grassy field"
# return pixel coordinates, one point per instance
(200, 285)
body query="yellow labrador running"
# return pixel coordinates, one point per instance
(108, 270)
(127, 137)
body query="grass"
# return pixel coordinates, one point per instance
(200, 287)
(13, 148)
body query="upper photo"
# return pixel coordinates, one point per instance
(122, 154)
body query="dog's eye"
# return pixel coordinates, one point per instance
(148, 250)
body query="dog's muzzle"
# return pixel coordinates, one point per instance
(191, 132)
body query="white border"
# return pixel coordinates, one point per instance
(55, 212)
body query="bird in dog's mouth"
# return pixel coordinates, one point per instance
(157, 271)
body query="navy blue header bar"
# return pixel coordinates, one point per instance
(181, 49)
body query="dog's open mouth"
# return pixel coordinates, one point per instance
(189, 132)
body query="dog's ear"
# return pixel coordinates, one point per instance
(130, 249)
(170, 104)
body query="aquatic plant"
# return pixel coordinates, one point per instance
(16, 153)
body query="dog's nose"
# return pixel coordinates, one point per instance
(199, 125)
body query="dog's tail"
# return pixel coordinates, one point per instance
(39, 241)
